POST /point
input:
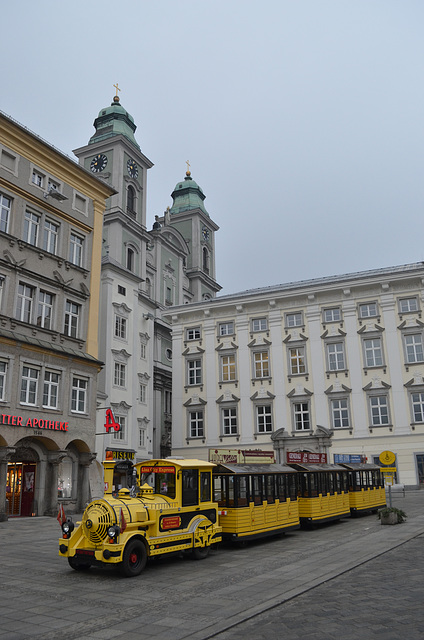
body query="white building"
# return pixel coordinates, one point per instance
(331, 365)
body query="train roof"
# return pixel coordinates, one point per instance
(359, 466)
(318, 467)
(253, 468)
(184, 463)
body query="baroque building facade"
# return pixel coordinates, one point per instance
(51, 217)
(333, 365)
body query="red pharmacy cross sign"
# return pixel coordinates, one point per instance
(110, 422)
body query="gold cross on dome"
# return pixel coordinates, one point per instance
(188, 165)
(117, 89)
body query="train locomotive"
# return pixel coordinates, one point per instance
(183, 505)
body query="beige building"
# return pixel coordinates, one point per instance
(333, 365)
(51, 217)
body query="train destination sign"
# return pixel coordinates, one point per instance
(305, 457)
(33, 423)
(157, 469)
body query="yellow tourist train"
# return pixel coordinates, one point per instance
(186, 506)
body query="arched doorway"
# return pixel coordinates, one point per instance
(21, 482)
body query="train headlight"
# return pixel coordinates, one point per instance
(113, 533)
(67, 528)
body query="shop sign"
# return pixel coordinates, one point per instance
(387, 457)
(347, 458)
(33, 423)
(157, 469)
(113, 454)
(299, 457)
(240, 456)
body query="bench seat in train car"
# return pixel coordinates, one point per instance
(255, 500)
(323, 493)
(366, 487)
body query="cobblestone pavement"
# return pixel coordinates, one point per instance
(353, 579)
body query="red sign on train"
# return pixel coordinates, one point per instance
(157, 469)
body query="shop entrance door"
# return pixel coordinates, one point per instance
(420, 468)
(20, 488)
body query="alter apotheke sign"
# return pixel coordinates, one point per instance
(33, 423)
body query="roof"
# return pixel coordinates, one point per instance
(253, 468)
(183, 463)
(360, 466)
(113, 121)
(187, 196)
(318, 467)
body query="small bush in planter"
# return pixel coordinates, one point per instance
(384, 513)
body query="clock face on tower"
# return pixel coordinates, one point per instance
(98, 163)
(205, 234)
(132, 168)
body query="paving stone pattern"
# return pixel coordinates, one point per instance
(353, 579)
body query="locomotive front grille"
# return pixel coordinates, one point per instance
(97, 518)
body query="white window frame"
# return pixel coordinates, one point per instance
(29, 385)
(143, 347)
(143, 393)
(141, 438)
(193, 333)
(365, 310)
(79, 395)
(226, 328)
(50, 236)
(264, 422)
(294, 319)
(227, 367)
(31, 227)
(196, 423)
(417, 406)
(297, 360)
(229, 421)
(25, 302)
(332, 314)
(379, 410)
(76, 249)
(51, 384)
(301, 415)
(72, 319)
(5, 211)
(259, 324)
(194, 372)
(4, 369)
(120, 327)
(336, 359)
(120, 375)
(372, 352)
(408, 305)
(38, 178)
(414, 348)
(45, 309)
(261, 364)
(121, 434)
(340, 413)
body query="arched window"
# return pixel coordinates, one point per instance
(148, 287)
(130, 259)
(205, 260)
(131, 198)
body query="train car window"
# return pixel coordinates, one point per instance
(269, 484)
(330, 486)
(282, 487)
(219, 490)
(314, 487)
(257, 489)
(190, 487)
(242, 491)
(357, 481)
(291, 486)
(205, 486)
(165, 484)
(230, 501)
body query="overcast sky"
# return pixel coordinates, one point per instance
(302, 119)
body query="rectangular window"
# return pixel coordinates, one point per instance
(76, 245)
(51, 232)
(193, 333)
(141, 438)
(168, 298)
(301, 416)
(226, 329)
(45, 310)
(408, 305)
(340, 413)
(368, 310)
(332, 315)
(52, 185)
(72, 313)
(5, 206)
(120, 327)
(31, 225)
(228, 368)
(297, 360)
(122, 290)
(195, 424)
(194, 372)
(119, 374)
(79, 395)
(259, 324)
(120, 435)
(51, 390)
(294, 319)
(143, 390)
(38, 178)
(379, 410)
(418, 406)
(25, 302)
(143, 351)
(414, 348)
(168, 402)
(229, 421)
(261, 364)
(373, 352)
(264, 419)
(336, 357)
(3, 378)
(29, 385)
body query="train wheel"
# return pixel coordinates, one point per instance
(78, 566)
(134, 559)
(200, 553)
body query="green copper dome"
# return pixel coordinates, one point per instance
(114, 121)
(187, 195)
